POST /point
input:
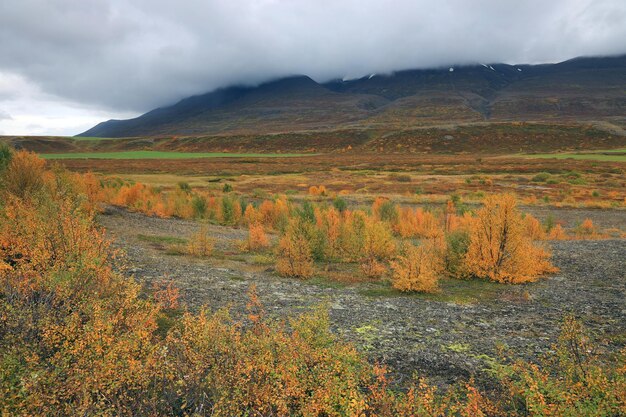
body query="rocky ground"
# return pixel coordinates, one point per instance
(446, 337)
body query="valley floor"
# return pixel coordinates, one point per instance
(443, 337)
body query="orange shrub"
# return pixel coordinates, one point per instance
(315, 191)
(418, 268)
(534, 229)
(267, 213)
(557, 233)
(89, 186)
(586, 230)
(257, 239)
(129, 195)
(417, 223)
(251, 215)
(24, 174)
(500, 248)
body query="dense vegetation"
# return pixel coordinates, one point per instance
(78, 338)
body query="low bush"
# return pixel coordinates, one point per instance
(201, 244)
(294, 258)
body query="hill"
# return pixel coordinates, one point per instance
(582, 89)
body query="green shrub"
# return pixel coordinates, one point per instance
(541, 177)
(198, 203)
(457, 244)
(340, 204)
(228, 209)
(388, 211)
(306, 212)
(5, 156)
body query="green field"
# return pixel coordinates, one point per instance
(163, 155)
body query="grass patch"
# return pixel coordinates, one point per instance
(452, 291)
(326, 282)
(163, 155)
(164, 240)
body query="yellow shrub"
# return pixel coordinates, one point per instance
(500, 248)
(201, 244)
(418, 268)
(533, 228)
(294, 253)
(378, 247)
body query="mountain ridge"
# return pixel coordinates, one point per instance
(580, 88)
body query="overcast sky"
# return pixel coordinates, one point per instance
(68, 64)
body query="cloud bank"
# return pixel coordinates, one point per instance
(132, 55)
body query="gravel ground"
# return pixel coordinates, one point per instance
(443, 340)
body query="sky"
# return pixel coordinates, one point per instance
(66, 65)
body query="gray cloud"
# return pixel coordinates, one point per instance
(5, 116)
(138, 54)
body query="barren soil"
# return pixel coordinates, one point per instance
(443, 338)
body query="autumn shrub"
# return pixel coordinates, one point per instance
(251, 215)
(275, 214)
(586, 230)
(201, 243)
(351, 232)
(417, 223)
(73, 334)
(534, 229)
(24, 174)
(317, 190)
(574, 381)
(220, 369)
(418, 267)
(499, 246)
(557, 233)
(294, 257)
(328, 224)
(385, 210)
(257, 238)
(179, 204)
(378, 247)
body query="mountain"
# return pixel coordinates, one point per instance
(581, 89)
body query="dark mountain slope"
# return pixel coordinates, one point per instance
(592, 89)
